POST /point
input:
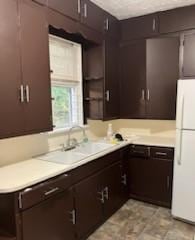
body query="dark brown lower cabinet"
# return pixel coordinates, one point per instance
(97, 198)
(69, 206)
(112, 189)
(150, 178)
(51, 219)
(88, 205)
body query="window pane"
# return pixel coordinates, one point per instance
(62, 112)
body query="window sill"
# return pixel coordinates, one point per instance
(64, 131)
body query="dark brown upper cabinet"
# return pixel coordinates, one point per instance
(66, 7)
(175, 20)
(111, 79)
(133, 80)
(139, 27)
(188, 58)
(150, 71)
(11, 110)
(35, 67)
(92, 16)
(162, 73)
(111, 26)
(101, 80)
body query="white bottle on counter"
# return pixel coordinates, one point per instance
(109, 132)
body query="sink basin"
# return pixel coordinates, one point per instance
(92, 148)
(74, 156)
(66, 158)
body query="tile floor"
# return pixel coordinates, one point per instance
(141, 221)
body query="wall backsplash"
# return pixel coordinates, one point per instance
(21, 148)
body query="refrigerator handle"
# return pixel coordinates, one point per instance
(181, 112)
(179, 147)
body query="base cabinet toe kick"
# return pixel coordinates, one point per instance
(74, 204)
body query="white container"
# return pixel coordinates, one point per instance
(109, 132)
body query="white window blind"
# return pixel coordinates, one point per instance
(66, 77)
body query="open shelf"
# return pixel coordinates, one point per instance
(89, 79)
(93, 99)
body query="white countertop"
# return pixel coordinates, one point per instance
(154, 141)
(18, 176)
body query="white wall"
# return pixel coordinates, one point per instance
(21, 148)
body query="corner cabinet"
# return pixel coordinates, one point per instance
(151, 174)
(139, 27)
(149, 70)
(69, 206)
(25, 81)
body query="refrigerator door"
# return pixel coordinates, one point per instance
(185, 105)
(183, 205)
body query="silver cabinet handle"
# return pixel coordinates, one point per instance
(85, 10)
(106, 26)
(21, 93)
(124, 179)
(20, 200)
(148, 94)
(73, 216)
(51, 191)
(106, 193)
(143, 94)
(79, 6)
(107, 95)
(154, 24)
(102, 196)
(27, 91)
(161, 154)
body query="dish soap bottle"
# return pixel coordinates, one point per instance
(109, 132)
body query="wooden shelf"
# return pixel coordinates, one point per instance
(93, 99)
(89, 79)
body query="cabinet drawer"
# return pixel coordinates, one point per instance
(162, 153)
(33, 195)
(139, 151)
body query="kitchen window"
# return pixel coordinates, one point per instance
(66, 82)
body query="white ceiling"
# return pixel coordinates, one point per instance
(123, 9)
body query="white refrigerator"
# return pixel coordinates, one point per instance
(183, 205)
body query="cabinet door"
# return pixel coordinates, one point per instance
(66, 7)
(133, 80)
(151, 180)
(139, 27)
(111, 26)
(160, 181)
(162, 75)
(92, 15)
(35, 67)
(188, 56)
(11, 109)
(112, 188)
(111, 81)
(50, 220)
(88, 205)
(177, 19)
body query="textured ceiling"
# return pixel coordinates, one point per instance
(123, 9)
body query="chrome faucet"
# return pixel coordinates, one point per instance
(72, 142)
